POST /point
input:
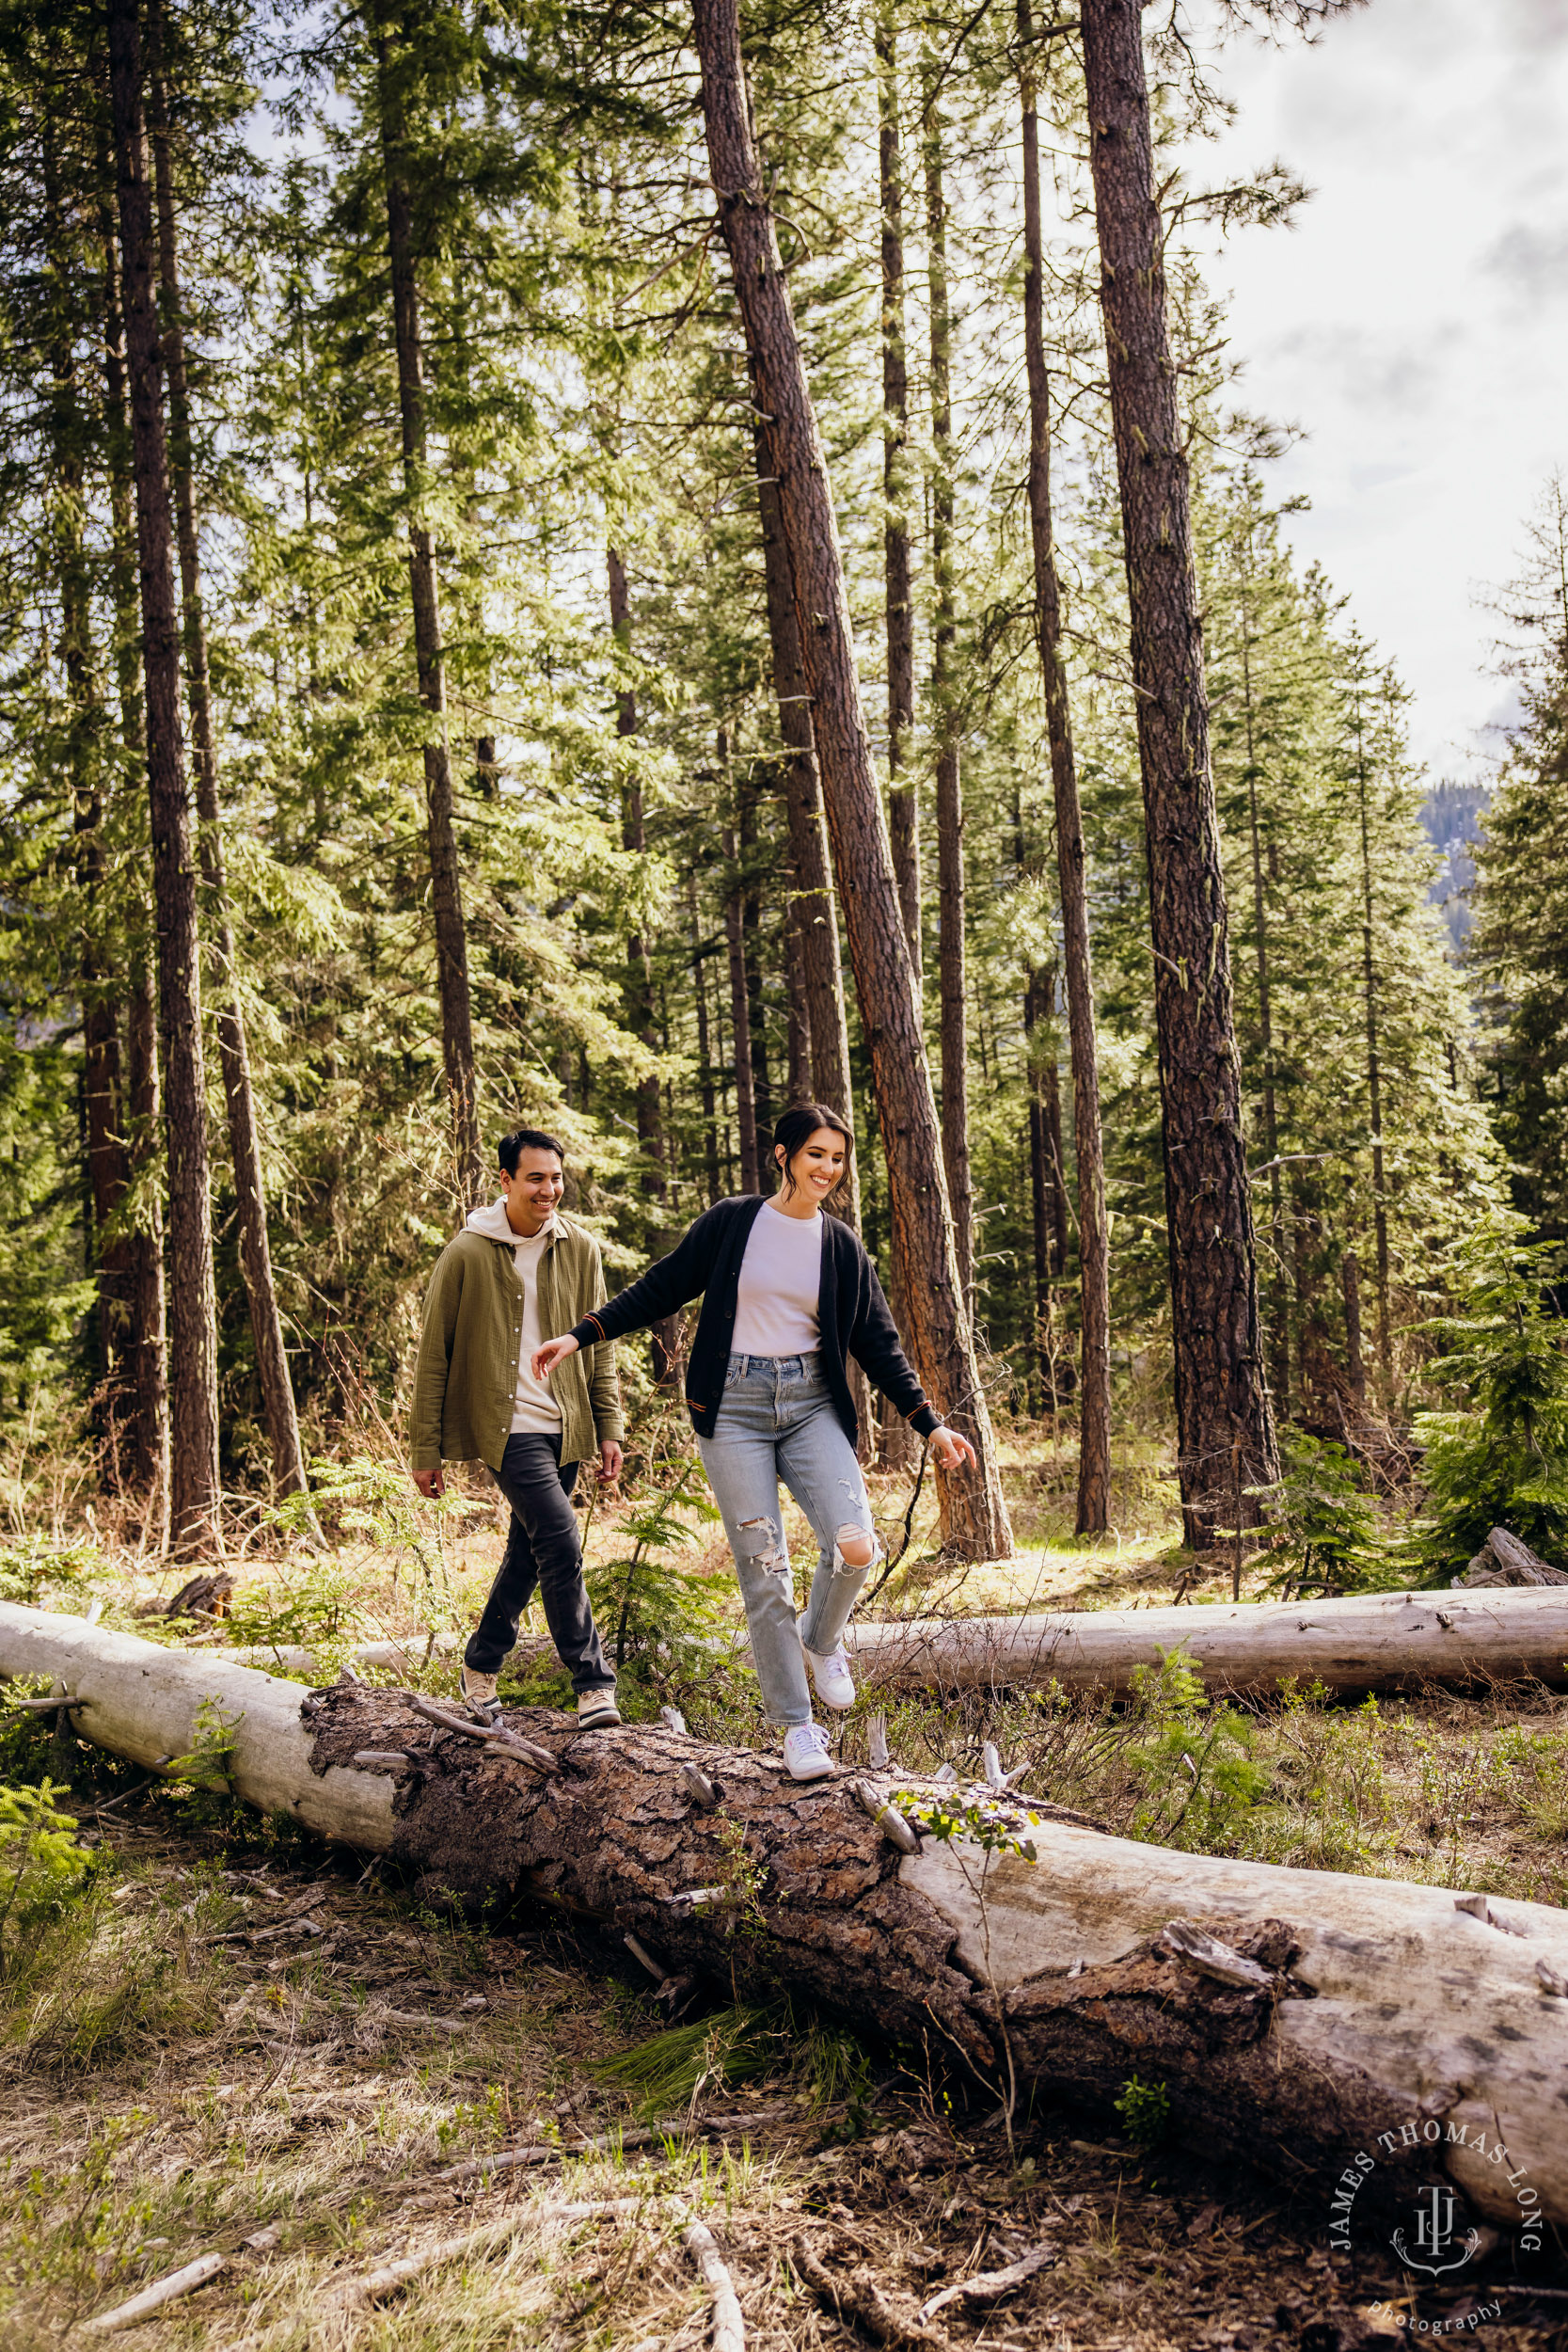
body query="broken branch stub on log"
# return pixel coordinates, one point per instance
(1367, 1642)
(1388, 2020)
(1503, 1558)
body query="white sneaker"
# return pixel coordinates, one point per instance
(830, 1671)
(806, 1753)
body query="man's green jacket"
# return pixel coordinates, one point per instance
(465, 1379)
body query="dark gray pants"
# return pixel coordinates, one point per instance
(543, 1552)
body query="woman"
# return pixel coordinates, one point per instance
(788, 1293)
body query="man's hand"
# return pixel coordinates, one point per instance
(431, 1483)
(950, 1452)
(544, 1359)
(611, 1459)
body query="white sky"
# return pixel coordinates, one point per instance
(1414, 323)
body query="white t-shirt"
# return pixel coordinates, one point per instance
(781, 1281)
(532, 1406)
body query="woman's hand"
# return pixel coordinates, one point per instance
(950, 1452)
(544, 1359)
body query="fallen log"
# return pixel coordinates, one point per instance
(1389, 2019)
(1503, 1558)
(1367, 1642)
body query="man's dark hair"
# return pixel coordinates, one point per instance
(511, 1148)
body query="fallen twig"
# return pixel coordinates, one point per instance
(729, 2325)
(859, 2297)
(184, 2281)
(990, 2286)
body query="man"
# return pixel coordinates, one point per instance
(518, 1275)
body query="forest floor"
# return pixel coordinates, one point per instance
(177, 2076)
(174, 2089)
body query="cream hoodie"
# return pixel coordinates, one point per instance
(532, 1406)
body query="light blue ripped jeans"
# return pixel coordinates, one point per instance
(777, 1421)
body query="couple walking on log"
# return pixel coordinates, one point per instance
(516, 1369)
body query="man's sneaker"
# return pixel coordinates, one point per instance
(806, 1753)
(596, 1710)
(830, 1671)
(479, 1691)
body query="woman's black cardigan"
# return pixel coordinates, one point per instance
(852, 1314)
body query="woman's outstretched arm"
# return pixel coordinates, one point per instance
(669, 1283)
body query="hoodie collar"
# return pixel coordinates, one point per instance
(493, 1223)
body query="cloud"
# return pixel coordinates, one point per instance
(1529, 259)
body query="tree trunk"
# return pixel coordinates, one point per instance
(705, 1043)
(974, 1517)
(1374, 1065)
(1355, 1365)
(1094, 1271)
(1221, 1393)
(193, 1381)
(740, 1013)
(267, 1324)
(1372, 2008)
(951, 979)
(664, 1337)
(1043, 1341)
(814, 911)
(452, 938)
(751, 934)
(902, 795)
(1280, 1284)
(107, 1165)
(146, 1347)
(149, 1348)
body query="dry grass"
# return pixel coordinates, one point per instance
(275, 2113)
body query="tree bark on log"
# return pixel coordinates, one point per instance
(1373, 2015)
(193, 1302)
(974, 1517)
(1367, 1641)
(1220, 1394)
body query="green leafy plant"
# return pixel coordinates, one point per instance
(1326, 1522)
(996, 1826)
(33, 1568)
(1501, 1458)
(373, 1498)
(320, 1609)
(41, 1863)
(1144, 2111)
(1196, 1760)
(660, 1618)
(203, 1776)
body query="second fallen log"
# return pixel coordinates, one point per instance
(1367, 1642)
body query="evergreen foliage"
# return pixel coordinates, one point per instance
(619, 790)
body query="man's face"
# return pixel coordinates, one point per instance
(531, 1195)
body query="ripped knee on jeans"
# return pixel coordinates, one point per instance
(761, 1544)
(856, 1550)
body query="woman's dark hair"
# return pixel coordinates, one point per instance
(796, 1128)
(511, 1148)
